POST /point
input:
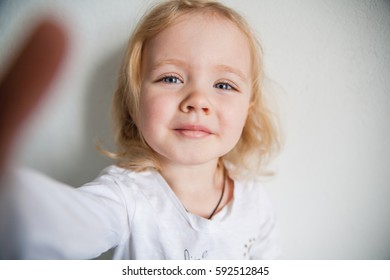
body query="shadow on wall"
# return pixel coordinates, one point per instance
(98, 119)
(98, 126)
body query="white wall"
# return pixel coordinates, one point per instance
(329, 63)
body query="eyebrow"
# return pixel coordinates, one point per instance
(230, 69)
(171, 61)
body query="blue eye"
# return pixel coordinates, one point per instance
(224, 86)
(171, 80)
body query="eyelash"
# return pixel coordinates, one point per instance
(170, 76)
(226, 83)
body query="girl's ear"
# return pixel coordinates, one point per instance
(251, 105)
(250, 110)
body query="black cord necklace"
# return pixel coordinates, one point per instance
(220, 199)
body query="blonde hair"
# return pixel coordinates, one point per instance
(259, 139)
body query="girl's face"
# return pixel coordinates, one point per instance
(196, 89)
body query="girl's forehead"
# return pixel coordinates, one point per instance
(200, 33)
(202, 20)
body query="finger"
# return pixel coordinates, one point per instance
(27, 79)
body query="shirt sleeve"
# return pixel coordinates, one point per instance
(267, 245)
(45, 219)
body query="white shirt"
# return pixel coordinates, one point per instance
(138, 214)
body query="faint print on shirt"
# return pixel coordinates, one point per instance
(188, 256)
(249, 246)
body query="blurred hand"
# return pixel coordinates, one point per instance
(25, 83)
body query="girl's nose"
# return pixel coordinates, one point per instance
(196, 102)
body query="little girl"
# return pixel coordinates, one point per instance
(193, 134)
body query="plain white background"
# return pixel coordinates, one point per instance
(328, 68)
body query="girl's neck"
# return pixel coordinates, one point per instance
(202, 189)
(193, 178)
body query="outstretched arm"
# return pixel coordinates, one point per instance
(39, 217)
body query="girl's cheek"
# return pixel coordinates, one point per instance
(160, 108)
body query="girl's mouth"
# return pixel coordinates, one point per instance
(193, 131)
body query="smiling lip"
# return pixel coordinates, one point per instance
(193, 131)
